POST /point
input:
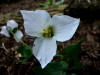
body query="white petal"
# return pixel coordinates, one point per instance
(35, 21)
(18, 35)
(65, 27)
(4, 31)
(12, 24)
(44, 50)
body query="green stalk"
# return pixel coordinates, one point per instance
(50, 2)
(20, 40)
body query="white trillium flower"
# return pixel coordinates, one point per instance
(4, 31)
(48, 30)
(11, 25)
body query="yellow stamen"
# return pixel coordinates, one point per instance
(49, 32)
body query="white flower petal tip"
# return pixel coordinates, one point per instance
(44, 50)
(4, 31)
(18, 35)
(65, 27)
(12, 24)
(35, 21)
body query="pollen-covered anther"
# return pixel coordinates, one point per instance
(49, 32)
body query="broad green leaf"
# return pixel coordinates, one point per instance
(25, 52)
(72, 53)
(57, 66)
(53, 68)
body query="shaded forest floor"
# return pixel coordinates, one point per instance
(90, 49)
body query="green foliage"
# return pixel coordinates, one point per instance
(25, 51)
(44, 4)
(72, 53)
(53, 68)
(14, 30)
(68, 62)
(60, 55)
(52, 2)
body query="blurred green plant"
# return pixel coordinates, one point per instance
(52, 2)
(26, 52)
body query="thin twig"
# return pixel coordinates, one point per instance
(3, 46)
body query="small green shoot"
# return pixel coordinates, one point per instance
(25, 52)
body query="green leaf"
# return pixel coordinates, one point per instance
(14, 30)
(77, 65)
(60, 55)
(53, 68)
(72, 53)
(57, 66)
(25, 52)
(50, 2)
(44, 4)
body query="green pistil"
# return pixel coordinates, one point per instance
(49, 32)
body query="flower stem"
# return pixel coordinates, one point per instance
(21, 41)
(50, 2)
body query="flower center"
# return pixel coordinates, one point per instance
(49, 32)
